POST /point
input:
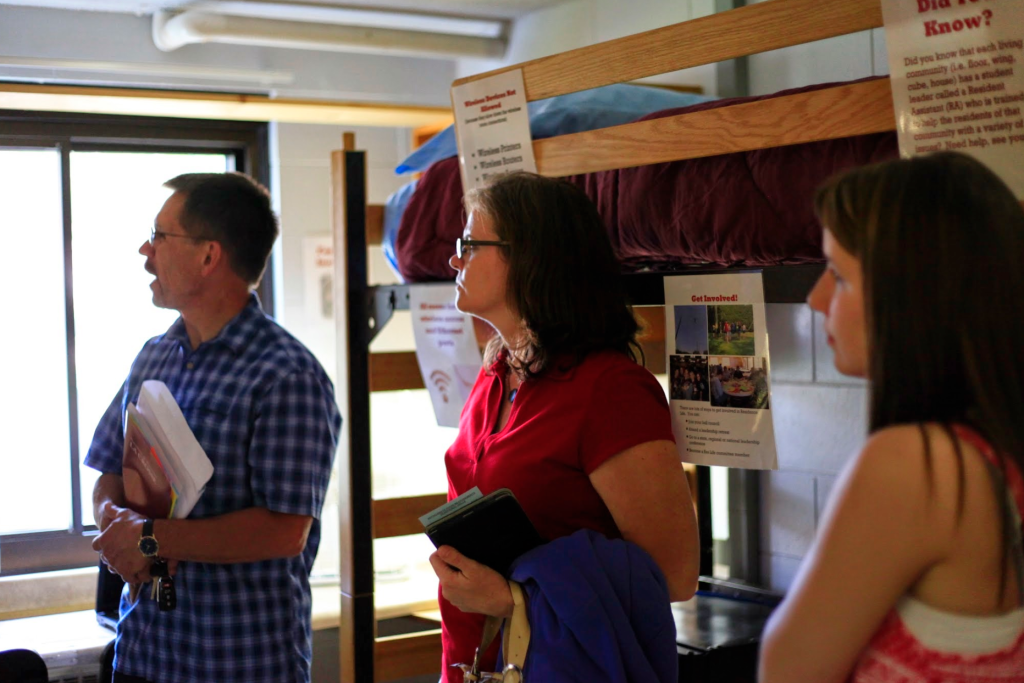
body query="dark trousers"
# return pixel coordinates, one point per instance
(125, 678)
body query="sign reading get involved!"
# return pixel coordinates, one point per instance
(492, 127)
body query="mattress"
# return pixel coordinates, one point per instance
(744, 209)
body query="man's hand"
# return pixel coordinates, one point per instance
(469, 585)
(105, 514)
(118, 543)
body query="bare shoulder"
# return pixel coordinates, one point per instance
(892, 457)
(916, 449)
(920, 466)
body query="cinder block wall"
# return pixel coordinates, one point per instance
(820, 422)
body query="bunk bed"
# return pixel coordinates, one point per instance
(827, 113)
(745, 208)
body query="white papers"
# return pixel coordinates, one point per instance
(446, 349)
(492, 127)
(719, 379)
(957, 80)
(181, 452)
(451, 507)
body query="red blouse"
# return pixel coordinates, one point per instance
(562, 427)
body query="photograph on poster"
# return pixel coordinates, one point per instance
(738, 382)
(731, 330)
(692, 329)
(689, 376)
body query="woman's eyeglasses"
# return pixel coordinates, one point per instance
(462, 245)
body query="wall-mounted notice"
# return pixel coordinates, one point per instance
(315, 327)
(446, 349)
(957, 79)
(492, 127)
(719, 380)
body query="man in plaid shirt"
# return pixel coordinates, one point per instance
(263, 409)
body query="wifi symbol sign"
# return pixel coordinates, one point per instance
(442, 381)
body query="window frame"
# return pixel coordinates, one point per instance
(246, 141)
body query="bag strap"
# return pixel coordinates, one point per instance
(516, 638)
(1012, 522)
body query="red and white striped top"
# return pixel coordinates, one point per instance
(920, 644)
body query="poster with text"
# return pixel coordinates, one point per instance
(957, 80)
(492, 128)
(446, 349)
(718, 370)
(315, 327)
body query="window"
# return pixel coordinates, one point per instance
(78, 195)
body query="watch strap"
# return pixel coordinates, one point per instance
(148, 544)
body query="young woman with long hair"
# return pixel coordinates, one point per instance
(917, 572)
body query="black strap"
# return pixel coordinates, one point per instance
(1012, 523)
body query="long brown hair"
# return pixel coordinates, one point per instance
(941, 242)
(563, 278)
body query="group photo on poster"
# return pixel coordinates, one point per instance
(718, 366)
(730, 330)
(689, 378)
(739, 382)
(714, 358)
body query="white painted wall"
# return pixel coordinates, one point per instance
(110, 37)
(300, 176)
(838, 59)
(820, 422)
(579, 23)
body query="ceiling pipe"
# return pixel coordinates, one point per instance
(171, 31)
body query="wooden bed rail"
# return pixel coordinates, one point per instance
(737, 33)
(841, 111)
(853, 109)
(374, 225)
(400, 516)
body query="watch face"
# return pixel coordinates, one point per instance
(148, 546)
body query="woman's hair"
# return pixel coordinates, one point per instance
(563, 278)
(941, 242)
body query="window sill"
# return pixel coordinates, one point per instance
(74, 590)
(30, 595)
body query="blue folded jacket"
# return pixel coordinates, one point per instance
(599, 611)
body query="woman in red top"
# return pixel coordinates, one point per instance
(916, 575)
(561, 413)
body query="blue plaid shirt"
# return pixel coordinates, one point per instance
(263, 409)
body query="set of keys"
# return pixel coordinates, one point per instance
(162, 589)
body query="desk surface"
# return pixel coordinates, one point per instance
(63, 640)
(706, 622)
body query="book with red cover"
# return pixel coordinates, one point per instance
(147, 486)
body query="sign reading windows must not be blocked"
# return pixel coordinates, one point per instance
(492, 127)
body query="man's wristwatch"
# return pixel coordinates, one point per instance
(147, 543)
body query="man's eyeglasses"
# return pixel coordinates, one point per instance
(462, 245)
(155, 234)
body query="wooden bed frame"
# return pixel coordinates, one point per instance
(829, 113)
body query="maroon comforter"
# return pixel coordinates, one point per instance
(749, 208)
